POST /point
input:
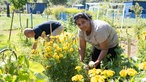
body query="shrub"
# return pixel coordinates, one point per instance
(60, 57)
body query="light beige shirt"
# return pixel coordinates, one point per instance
(99, 33)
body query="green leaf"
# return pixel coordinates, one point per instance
(27, 62)
(12, 68)
(32, 76)
(23, 76)
(36, 67)
(21, 59)
(40, 76)
(8, 77)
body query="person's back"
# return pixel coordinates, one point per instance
(48, 27)
(51, 27)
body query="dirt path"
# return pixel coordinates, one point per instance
(133, 50)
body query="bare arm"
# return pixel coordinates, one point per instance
(82, 48)
(103, 53)
(34, 45)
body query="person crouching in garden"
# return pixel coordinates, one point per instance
(98, 33)
(50, 27)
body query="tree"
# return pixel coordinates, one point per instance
(18, 4)
(3, 1)
(137, 9)
(45, 1)
(58, 2)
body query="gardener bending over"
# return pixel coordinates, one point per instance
(98, 33)
(51, 27)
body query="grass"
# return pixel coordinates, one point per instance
(16, 42)
(6, 21)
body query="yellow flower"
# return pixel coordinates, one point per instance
(131, 72)
(142, 66)
(57, 36)
(60, 55)
(77, 78)
(45, 58)
(55, 45)
(45, 55)
(144, 32)
(93, 79)
(71, 50)
(61, 39)
(51, 42)
(108, 73)
(123, 73)
(66, 44)
(80, 77)
(74, 78)
(34, 51)
(56, 56)
(78, 68)
(58, 49)
(1, 72)
(65, 48)
(97, 78)
(101, 79)
(52, 37)
(43, 32)
(98, 71)
(48, 49)
(92, 72)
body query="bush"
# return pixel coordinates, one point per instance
(61, 57)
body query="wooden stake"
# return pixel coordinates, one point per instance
(50, 29)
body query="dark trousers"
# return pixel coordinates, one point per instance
(95, 53)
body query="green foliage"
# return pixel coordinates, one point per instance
(58, 2)
(139, 30)
(21, 70)
(34, 67)
(142, 45)
(18, 4)
(107, 20)
(73, 10)
(137, 9)
(56, 10)
(70, 26)
(64, 70)
(139, 26)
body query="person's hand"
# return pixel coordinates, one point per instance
(91, 64)
(85, 66)
(96, 63)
